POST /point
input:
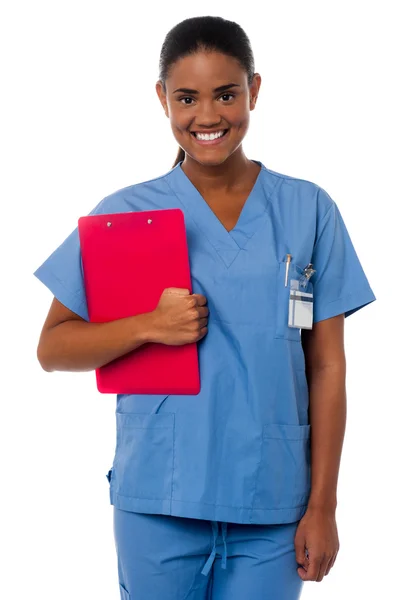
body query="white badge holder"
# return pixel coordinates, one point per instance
(300, 310)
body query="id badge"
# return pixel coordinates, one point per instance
(300, 310)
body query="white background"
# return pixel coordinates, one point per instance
(80, 119)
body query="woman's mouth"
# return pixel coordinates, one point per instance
(209, 139)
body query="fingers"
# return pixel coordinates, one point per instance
(331, 564)
(203, 311)
(177, 291)
(317, 567)
(200, 298)
(322, 568)
(300, 554)
(204, 331)
(311, 569)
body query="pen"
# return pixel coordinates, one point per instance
(287, 266)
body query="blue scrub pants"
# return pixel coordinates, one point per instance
(174, 558)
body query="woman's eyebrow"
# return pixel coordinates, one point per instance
(221, 88)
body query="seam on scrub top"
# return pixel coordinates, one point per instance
(133, 427)
(142, 497)
(200, 230)
(324, 219)
(285, 439)
(173, 462)
(354, 296)
(129, 189)
(77, 295)
(256, 478)
(210, 504)
(235, 506)
(268, 195)
(289, 178)
(246, 323)
(351, 294)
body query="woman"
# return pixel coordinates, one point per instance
(212, 492)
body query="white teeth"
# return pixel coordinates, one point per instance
(209, 136)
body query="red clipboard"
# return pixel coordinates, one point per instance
(128, 259)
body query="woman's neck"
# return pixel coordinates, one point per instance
(226, 177)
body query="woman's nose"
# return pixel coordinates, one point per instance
(207, 115)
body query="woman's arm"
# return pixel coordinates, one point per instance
(325, 371)
(317, 532)
(69, 343)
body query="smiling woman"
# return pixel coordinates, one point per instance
(231, 493)
(207, 84)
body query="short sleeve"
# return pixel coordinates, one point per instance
(340, 284)
(62, 272)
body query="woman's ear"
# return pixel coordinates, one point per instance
(162, 97)
(254, 90)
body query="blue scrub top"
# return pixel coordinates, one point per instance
(239, 451)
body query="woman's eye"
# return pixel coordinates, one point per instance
(227, 94)
(186, 98)
(226, 98)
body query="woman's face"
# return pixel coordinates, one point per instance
(208, 92)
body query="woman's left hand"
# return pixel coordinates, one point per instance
(317, 533)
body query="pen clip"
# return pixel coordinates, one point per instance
(287, 267)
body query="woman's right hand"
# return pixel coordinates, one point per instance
(180, 317)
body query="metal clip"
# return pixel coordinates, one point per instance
(308, 271)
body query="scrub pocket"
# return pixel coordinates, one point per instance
(284, 472)
(283, 298)
(143, 465)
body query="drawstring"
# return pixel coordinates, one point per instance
(209, 562)
(224, 559)
(211, 558)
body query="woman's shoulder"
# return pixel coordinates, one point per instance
(131, 197)
(306, 191)
(291, 179)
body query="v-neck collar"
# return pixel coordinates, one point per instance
(227, 244)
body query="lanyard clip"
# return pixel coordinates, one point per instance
(309, 271)
(307, 274)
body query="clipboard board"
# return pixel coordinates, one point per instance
(128, 259)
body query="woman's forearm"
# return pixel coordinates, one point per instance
(327, 416)
(83, 346)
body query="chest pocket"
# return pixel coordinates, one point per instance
(283, 298)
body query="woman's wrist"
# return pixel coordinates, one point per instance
(148, 330)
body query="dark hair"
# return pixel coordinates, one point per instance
(205, 34)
